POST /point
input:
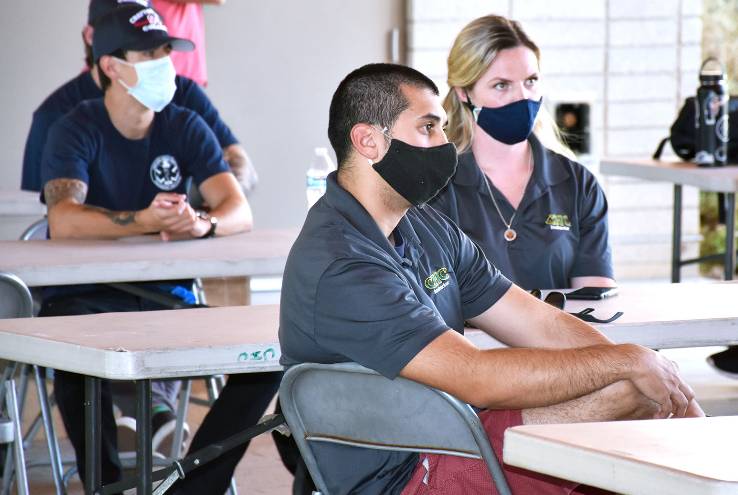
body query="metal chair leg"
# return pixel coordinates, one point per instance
(52, 442)
(213, 391)
(21, 478)
(7, 375)
(183, 403)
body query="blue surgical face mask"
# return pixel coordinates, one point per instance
(509, 124)
(156, 82)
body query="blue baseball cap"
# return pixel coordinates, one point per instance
(132, 27)
(99, 8)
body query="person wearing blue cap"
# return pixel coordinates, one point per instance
(537, 214)
(86, 86)
(118, 166)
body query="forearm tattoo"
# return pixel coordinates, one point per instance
(117, 217)
(60, 189)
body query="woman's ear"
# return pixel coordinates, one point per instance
(461, 94)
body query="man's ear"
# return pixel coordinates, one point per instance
(109, 66)
(365, 139)
(87, 34)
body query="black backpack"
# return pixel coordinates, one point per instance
(682, 135)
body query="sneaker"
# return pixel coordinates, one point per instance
(163, 425)
(126, 428)
(726, 362)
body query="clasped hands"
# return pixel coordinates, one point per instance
(172, 216)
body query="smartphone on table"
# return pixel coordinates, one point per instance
(592, 293)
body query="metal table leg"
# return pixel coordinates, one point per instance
(676, 235)
(144, 463)
(93, 429)
(729, 236)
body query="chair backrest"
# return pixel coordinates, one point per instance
(15, 298)
(36, 231)
(352, 405)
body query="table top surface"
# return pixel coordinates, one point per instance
(191, 342)
(716, 179)
(145, 258)
(690, 455)
(21, 203)
(662, 315)
(154, 344)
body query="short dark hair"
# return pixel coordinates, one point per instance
(105, 81)
(371, 94)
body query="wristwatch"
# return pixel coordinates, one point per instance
(208, 218)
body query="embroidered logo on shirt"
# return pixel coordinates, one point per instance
(165, 172)
(438, 280)
(558, 221)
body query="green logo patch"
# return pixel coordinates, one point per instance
(558, 221)
(437, 279)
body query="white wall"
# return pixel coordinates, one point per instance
(273, 67)
(40, 48)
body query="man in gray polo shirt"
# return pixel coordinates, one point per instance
(377, 278)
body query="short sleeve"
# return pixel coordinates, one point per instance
(191, 96)
(594, 257)
(367, 313)
(204, 155)
(481, 284)
(67, 153)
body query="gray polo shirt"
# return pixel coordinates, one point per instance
(347, 295)
(561, 221)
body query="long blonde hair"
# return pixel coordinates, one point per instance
(473, 51)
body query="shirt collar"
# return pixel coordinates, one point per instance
(548, 171)
(346, 205)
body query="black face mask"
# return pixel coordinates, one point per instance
(416, 173)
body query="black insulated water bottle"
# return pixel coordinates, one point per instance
(711, 116)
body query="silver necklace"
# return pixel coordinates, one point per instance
(509, 234)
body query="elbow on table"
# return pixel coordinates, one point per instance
(59, 228)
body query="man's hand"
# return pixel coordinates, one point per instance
(658, 378)
(694, 410)
(172, 216)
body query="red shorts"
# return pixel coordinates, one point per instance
(438, 474)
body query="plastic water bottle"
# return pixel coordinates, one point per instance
(317, 174)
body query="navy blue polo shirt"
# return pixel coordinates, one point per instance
(123, 174)
(349, 295)
(83, 87)
(561, 221)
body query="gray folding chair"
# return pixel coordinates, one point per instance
(10, 435)
(351, 405)
(36, 231)
(15, 302)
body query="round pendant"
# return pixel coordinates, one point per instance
(510, 235)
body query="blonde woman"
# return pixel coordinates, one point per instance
(539, 216)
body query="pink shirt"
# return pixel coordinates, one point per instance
(185, 20)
